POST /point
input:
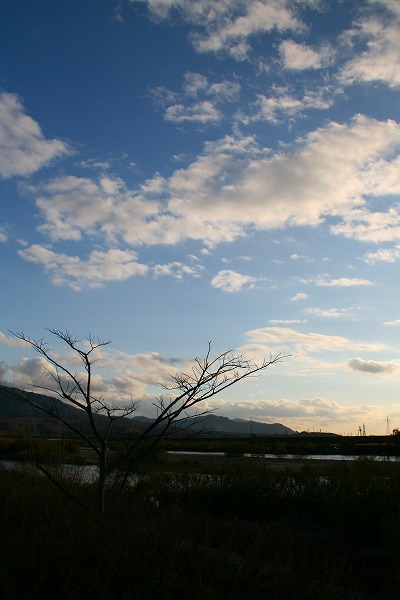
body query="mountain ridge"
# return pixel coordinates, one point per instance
(17, 415)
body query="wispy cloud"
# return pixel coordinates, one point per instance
(3, 235)
(330, 313)
(200, 112)
(282, 104)
(295, 341)
(178, 270)
(285, 321)
(198, 100)
(228, 26)
(342, 282)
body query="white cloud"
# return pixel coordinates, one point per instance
(395, 322)
(299, 296)
(178, 270)
(330, 313)
(379, 35)
(297, 57)
(234, 187)
(389, 255)
(73, 206)
(201, 112)
(373, 367)
(368, 226)
(7, 340)
(193, 104)
(342, 282)
(99, 268)
(23, 147)
(285, 321)
(285, 338)
(231, 282)
(227, 24)
(283, 105)
(222, 194)
(119, 376)
(307, 414)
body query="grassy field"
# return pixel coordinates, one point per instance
(208, 529)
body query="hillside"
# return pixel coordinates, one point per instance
(17, 416)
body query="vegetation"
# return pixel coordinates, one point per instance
(107, 424)
(242, 530)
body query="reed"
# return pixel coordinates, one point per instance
(244, 531)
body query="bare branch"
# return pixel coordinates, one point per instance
(175, 412)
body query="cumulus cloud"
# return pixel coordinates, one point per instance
(119, 377)
(306, 414)
(223, 192)
(99, 268)
(298, 57)
(282, 104)
(228, 26)
(378, 36)
(395, 322)
(232, 282)
(198, 100)
(31, 372)
(9, 340)
(201, 112)
(23, 147)
(299, 296)
(233, 188)
(373, 367)
(389, 255)
(178, 270)
(368, 226)
(73, 206)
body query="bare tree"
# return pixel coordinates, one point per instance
(207, 378)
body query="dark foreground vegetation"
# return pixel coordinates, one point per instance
(230, 528)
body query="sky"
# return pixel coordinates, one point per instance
(179, 172)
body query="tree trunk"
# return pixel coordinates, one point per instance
(101, 483)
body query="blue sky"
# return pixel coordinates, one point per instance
(174, 172)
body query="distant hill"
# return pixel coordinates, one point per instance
(17, 416)
(214, 424)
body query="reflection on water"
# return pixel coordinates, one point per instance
(85, 474)
(89, 473)
(292, 456)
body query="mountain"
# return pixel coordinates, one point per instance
(18, 416)
(218, 425)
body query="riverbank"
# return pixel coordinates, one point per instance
(286, 529)
(275, 462)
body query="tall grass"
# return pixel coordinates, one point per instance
(245, 532)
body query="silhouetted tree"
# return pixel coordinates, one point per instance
(207, 378)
